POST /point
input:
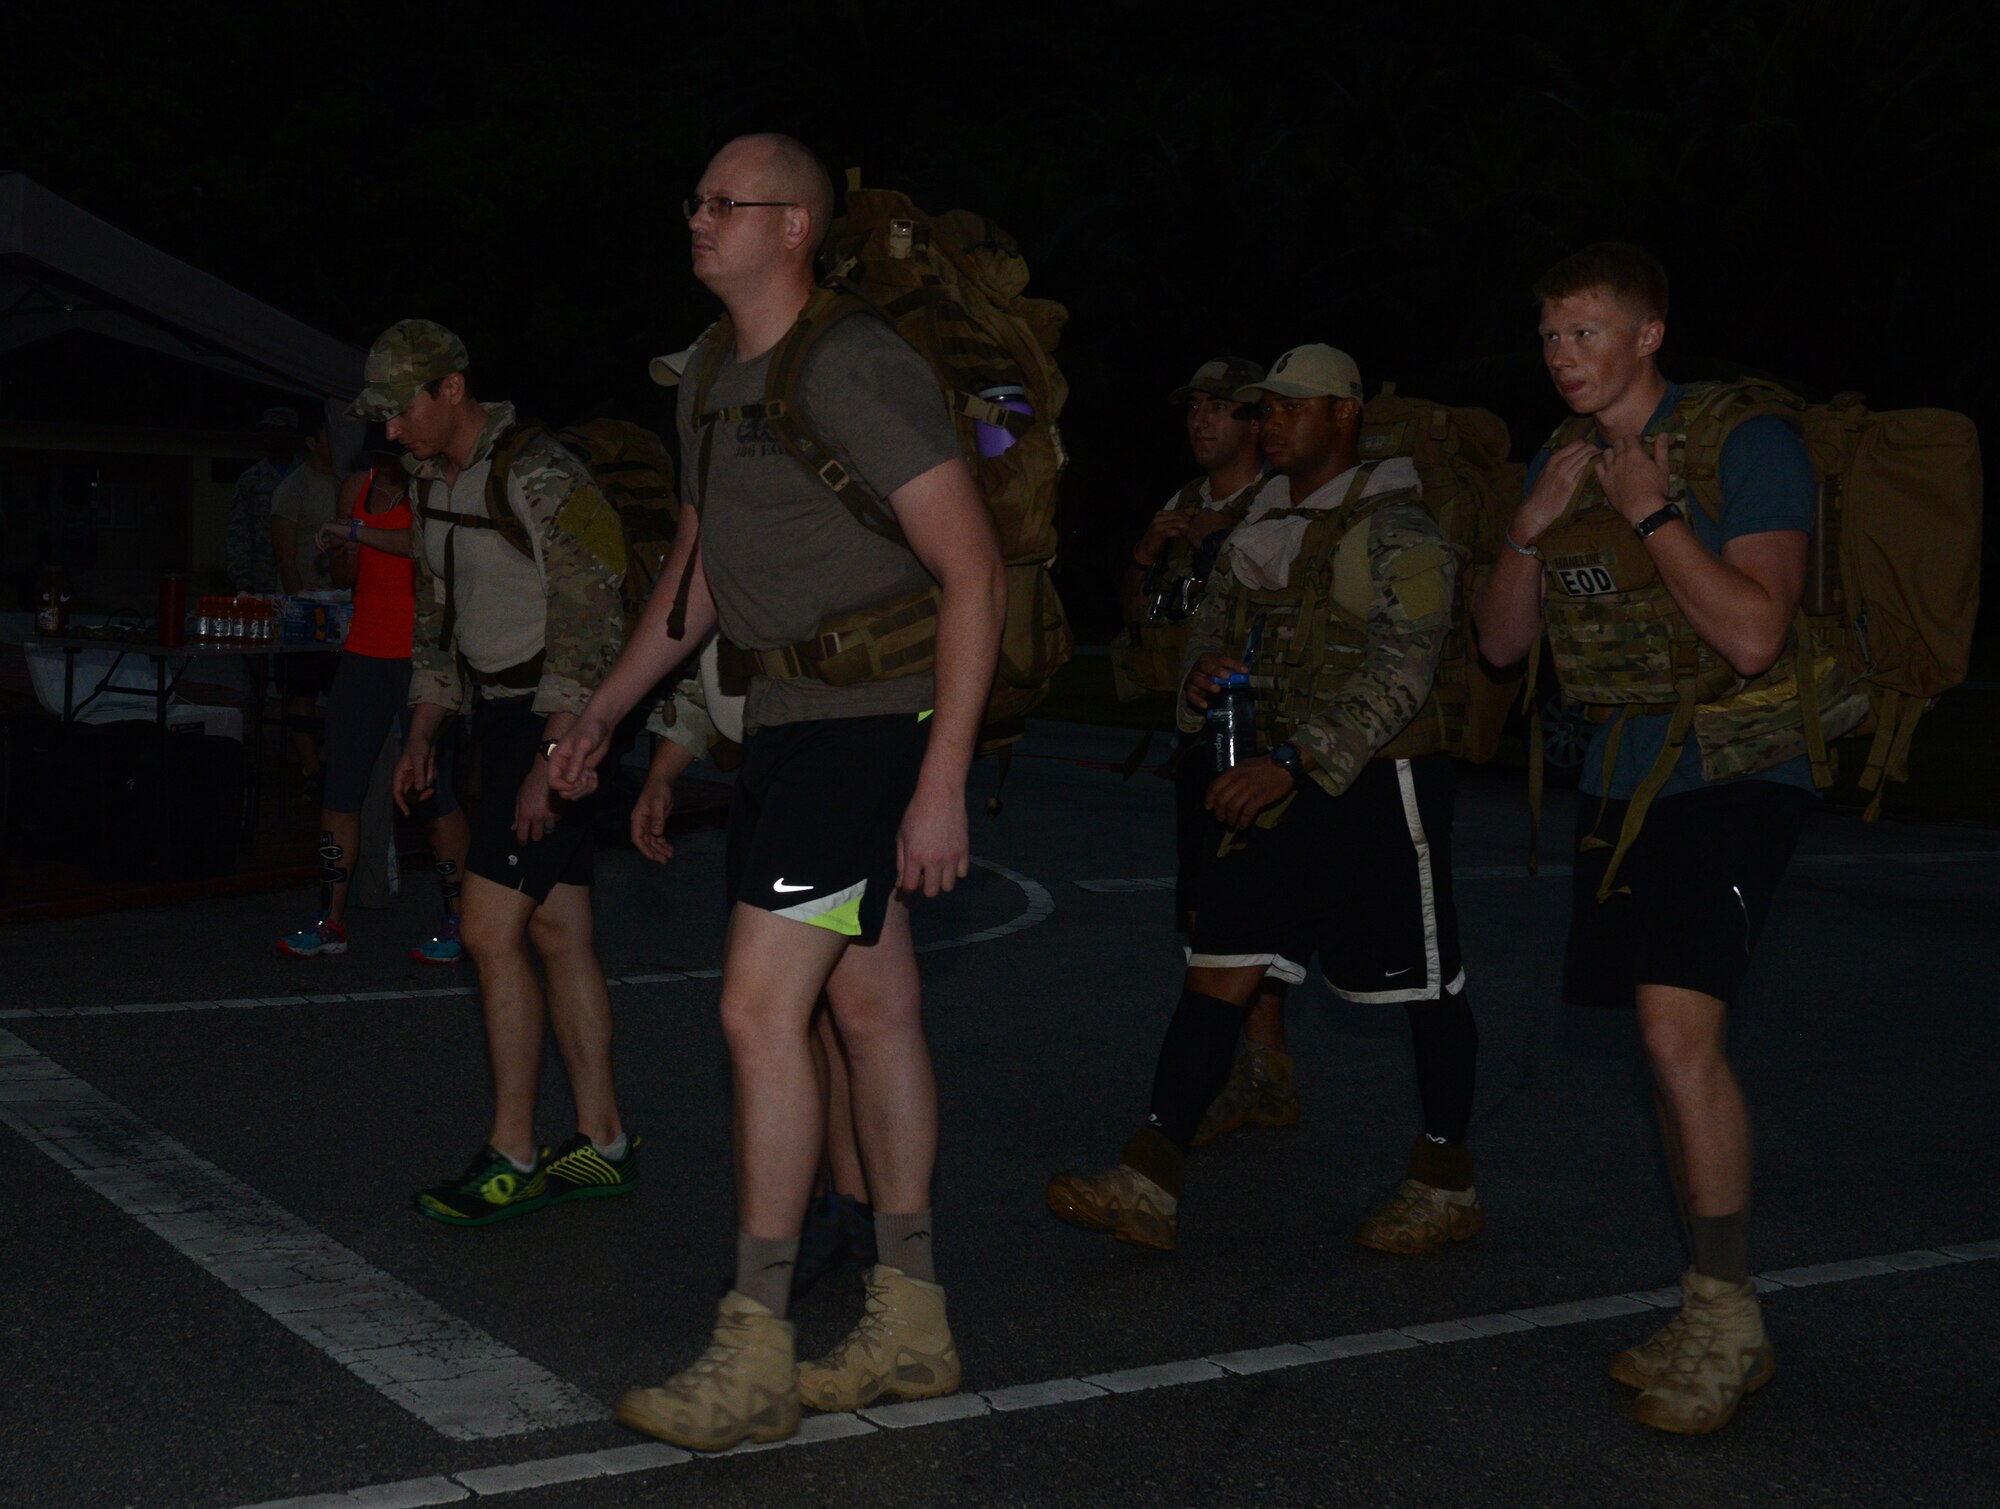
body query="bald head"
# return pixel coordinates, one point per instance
(786, 168)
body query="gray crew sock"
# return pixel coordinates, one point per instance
(1722, 1245)
(905, 1242)
(613, 1150)
(764, 1267)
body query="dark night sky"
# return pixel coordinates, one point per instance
(1188, 180)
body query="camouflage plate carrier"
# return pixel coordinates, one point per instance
(1314, 629)
(1619, 640)
(951, 287)
(1147, 655)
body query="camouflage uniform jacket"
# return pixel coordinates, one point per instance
(252, 566)
(1412, 572)
(582, 617)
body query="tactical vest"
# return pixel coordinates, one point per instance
(1146, 656)
(1619, 640)
(1314, 633)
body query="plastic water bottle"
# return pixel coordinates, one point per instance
(1231, 724)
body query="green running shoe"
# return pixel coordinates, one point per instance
(490, 1189)
(578, 1168)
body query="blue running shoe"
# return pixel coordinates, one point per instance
(323, 937)
(442, 947)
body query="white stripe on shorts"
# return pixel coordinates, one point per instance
(1427, 887)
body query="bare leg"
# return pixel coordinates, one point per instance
(878, 1010)
(1266, 1020)
(1236, 985)
(579, 1007)
(772, 973)
(843, 1152)
(495, 929)
(1705, 1120)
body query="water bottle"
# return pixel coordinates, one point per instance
(1231, 723)
(994, 440)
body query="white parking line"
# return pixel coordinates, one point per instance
(1040, 907)
(451, 1375)
(491, 1482)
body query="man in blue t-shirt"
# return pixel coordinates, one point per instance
(1677, 860)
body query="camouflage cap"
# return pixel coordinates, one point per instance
(1219, 379)
(404, 357)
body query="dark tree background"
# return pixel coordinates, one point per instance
(1818, 178)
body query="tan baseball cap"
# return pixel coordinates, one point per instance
(1219, 378)
(1313, 371)
(670, 369)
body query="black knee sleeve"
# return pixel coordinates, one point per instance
(1446, 1040)
(1194, 1063)
(331, 871)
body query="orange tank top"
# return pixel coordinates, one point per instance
(385, 600)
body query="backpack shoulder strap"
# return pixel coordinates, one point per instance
(827, 307)
(500, 515)
(1710, 413)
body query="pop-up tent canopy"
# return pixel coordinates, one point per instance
(62, 270)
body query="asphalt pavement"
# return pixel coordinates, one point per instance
(217, 1294)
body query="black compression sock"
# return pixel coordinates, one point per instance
(1446, 1040)
(1194, 1063)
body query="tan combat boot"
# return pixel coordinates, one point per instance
(1261, 1092)
(901, 1350)
(1422, 1218)
(1720, 1354)
(744, 1386)
(1122, 1201)
(1637, 1367)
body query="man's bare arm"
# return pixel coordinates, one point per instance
(947, 527)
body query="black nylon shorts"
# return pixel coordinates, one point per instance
(1701, 876)
(507, 732)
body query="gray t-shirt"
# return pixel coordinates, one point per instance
(309, 499)
(781, 552)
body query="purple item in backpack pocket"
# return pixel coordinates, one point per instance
(993, 440)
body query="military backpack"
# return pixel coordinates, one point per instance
(952, 287)
(1471, 489)
(1892, 572)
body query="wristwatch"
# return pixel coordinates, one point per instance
(1286, 758)
(1645, 527)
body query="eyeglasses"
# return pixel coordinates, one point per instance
(721, 206)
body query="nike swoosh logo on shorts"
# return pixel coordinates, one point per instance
(779, 885)
(1390, 974)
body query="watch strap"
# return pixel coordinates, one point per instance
(1645, 527)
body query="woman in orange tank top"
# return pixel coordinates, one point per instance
(369, 539)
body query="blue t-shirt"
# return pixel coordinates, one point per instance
(1767, 484)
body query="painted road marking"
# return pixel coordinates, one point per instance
(491, 1482)
(1040, 907)
(1121, 886)
(451, 1375)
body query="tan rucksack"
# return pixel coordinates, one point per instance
(1471, 489)
(951, 287)
(1892, 585)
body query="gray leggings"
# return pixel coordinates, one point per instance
(370, 696)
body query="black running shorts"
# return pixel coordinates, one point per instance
(814, 818)
(1701, 876)
(507, 732)
(1363, 879)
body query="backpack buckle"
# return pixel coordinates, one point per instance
(834, 475)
